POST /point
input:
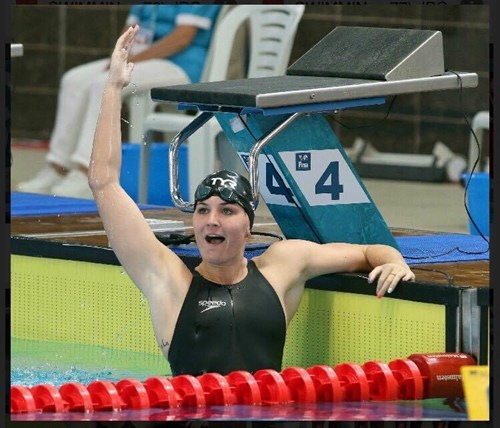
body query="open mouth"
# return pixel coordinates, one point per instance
(215, 239)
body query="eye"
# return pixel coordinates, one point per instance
(227, 211)
(201, 210)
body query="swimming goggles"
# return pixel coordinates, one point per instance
(226, 193)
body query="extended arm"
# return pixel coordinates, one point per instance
(291, 263)
(384, 263)
(152, 266)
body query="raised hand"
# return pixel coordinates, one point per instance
(120, 69)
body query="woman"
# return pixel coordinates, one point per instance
(171, 49)
(230, 313)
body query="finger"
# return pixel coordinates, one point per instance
(394, 283)
(373, 274)
(410, 276)
(125, 40)
(387, 283)
(383, 281)
(131, 36)
(124, 37)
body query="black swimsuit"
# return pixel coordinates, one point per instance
(226, 328)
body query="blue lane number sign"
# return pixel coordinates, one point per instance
(323, 177)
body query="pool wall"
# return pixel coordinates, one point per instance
(96, 304)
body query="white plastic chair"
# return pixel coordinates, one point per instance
(272, 30)
(140, 104)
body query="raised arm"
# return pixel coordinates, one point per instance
(153, 267)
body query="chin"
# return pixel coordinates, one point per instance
(216, 256)
(211, 255)
(214, 259)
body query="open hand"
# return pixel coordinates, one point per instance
(120, 69)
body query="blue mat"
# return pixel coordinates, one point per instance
(30, 204)
(443, 248)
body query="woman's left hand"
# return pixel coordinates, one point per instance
(389, 275)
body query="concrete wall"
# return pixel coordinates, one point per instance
(56, 38)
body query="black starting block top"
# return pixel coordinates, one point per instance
(349, 63)
(280, 91)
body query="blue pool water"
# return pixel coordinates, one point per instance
(38, 362)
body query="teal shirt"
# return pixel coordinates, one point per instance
(163, 19)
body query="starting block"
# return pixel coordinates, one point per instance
(277, 126)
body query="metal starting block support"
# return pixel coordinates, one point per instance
(294, 158)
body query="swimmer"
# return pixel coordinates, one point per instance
(229, 313)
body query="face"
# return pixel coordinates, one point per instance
(221, 230)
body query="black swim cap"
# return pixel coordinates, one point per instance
(230, 187)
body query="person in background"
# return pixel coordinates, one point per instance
(170, 49)
(229, 313)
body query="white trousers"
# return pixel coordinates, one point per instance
(79, 104)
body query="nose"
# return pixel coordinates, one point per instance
(213, 218)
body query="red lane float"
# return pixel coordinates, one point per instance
(300, 385)
(21, 400)
(190, 390)
(272, 387)
(354, 382)
(217, 389)
(245, 388)
(161, 392)
(133, 394)
(48, 399)
(417, 377)
(77, 397)
(326, 383)
(105, 395)
(411, 384)
(381, 381)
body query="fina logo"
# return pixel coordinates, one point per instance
(228, 182)
(303, 161)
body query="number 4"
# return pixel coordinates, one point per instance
(334, 188)
(281, 188)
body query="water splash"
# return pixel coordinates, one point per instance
(56, 363)
(53, 375)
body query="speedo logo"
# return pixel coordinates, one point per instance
(210, 304)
